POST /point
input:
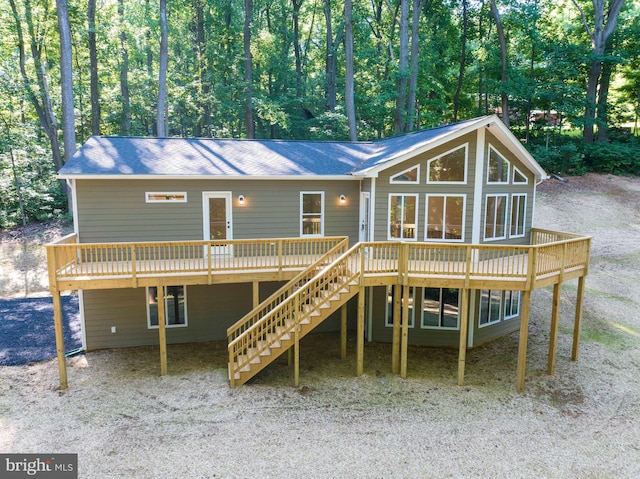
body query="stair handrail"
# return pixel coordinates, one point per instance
(286, 303)
(284, 291)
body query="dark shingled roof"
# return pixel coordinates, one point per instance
(135, 156)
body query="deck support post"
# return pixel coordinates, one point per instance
(360, 332)
(57, 319)
(404, 339)
(553, 333)
(343, 332)
(524, 336)
(162, 331)
(578, 319)
(395, 344)
(464, 328)
(256, 294)
(296, 355)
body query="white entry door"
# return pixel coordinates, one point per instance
(218, 225)
(365, 216)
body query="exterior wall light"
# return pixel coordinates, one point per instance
(241, 199)
(343, 199)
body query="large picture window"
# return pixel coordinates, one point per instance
(403, 217)
(440, 308)
(518, 214)
(498, 167)
(495, 218)
(451, 167)
(496, 306)
(445, 217)
(175, 306)
(312, 213)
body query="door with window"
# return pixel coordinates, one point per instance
(217, 220)
(365, 215)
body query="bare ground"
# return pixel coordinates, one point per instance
(583, 422)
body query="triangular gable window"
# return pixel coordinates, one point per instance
(519, 178)
(408, 176)
(498, 171)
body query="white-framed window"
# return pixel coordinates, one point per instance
(445, 217)
(440, 308)
(495, 217)
(410, 176)
(312, 213)
(519, 177)
(165, 196)
(403, 217)
(450, 167)
(388, 317)
(175, 306)
(511, 304)
(518, 215)
(497, 167)
(496, 306)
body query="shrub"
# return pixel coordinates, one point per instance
(616, 158)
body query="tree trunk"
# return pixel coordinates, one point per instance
(599, 35)
(503, 61)
(401, 82)
(296, 46)
(602, 108)
(93, 67)
(413, 79)
(248, 70)
(463, 58)
(349, 79)
(66, 80)
(161, 118)
(202, 122)
(330, 67)
(125, 123)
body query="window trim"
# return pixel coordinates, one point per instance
(506, 219)
(500, 310)
(507, 176)
(523, 197)
(405, 182)
(167, 194)
(502, 316)
(466, 166)
(416, 219)
(302, 214)
(439, 328)
(513, 177)
(426, 217)
(504, 303)
(166, 317)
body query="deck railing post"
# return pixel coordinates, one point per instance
(134, 269)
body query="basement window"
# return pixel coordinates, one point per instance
(166, 197)
(175, 306)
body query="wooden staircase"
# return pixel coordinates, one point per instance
(292, 312)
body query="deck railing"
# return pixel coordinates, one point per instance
(83, 260)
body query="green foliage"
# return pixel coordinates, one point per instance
(617, 158)
(559, 159)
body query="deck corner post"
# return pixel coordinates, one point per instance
(343, 332)
(553, 333)
(523, 339)
(395, 343)
(464, 329)
(578, 318)
(404, 337)
(360, 333)
(57, 319)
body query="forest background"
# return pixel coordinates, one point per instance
(563, 74)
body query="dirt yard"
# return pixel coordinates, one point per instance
(124, 421)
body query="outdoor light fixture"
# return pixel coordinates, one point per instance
(241, 199)
(343, 199)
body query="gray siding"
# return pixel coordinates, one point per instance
(115, 210)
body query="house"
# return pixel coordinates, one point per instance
(424, 238)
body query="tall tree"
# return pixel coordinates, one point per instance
(161, 117)
(248, 70)
(93, 68)
(403, 65)
(125, 121)
(349, 78)
(415, 52)
(504, 95)
(66, 80)
(463, 58)
(604, 23)
(330, 59)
